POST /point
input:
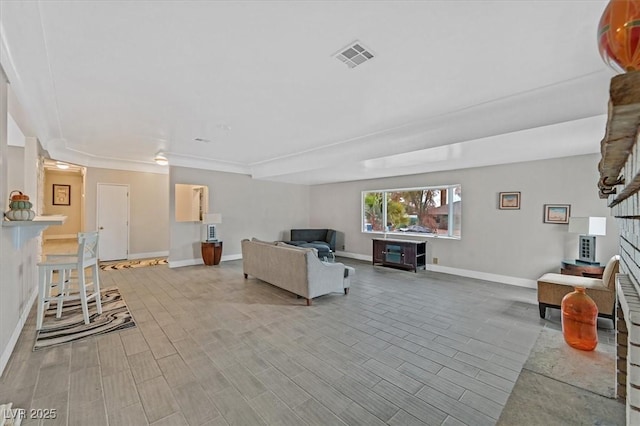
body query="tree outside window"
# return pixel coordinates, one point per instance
(424, 211)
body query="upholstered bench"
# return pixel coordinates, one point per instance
(553, 287)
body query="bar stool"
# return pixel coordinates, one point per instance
(64, 265)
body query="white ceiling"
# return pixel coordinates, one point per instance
(453, 84)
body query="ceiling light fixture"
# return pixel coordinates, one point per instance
(61, 165)
(161, 160)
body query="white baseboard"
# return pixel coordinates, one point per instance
(231, 257)
(133, 256)
(199, 261)
(8, 350)
(356, 256)
(186, 262)
(503, 279)
(61, 237)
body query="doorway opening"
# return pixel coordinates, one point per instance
(62, 192)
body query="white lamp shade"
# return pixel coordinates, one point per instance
(212, 218)
(588, 225)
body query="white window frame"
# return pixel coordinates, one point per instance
(450, 203)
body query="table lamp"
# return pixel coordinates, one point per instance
(588, 227)
(210, 221)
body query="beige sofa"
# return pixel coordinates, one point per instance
(553, 287)
(294, 269)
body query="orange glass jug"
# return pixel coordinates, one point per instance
(579, 320)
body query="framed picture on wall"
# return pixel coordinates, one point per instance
(509, 201)
(556, 213)
(61, 195)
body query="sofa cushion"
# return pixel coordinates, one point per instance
(331, 236)
(321, 243)
(319, 247)
(610, 271)
(271, 243)
(296, 247)
(572, 281)
(308, 234)
(349, 271)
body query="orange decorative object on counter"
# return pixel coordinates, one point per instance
(619, 35)
(18, 197)
(19, 207)
(579, 320)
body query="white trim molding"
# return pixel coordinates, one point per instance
(231, 257)
(503, 279)
(185, 262)
(365, 257)
(8, 350)
(199, 261)
(148, 255)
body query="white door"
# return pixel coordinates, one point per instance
(113, 221)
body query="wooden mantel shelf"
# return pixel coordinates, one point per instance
(620, 135)
(24, 230)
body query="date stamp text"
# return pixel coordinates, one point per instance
(33, 413)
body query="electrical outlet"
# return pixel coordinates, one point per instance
(343, 247)
(435, 260)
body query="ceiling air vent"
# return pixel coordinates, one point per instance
(354, 54)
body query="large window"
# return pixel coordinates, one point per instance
(429, 211)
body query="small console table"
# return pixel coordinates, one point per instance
(405, 254)
(211, 252)
(582, 269)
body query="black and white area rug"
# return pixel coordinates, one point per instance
(70, 327)
(133, 264)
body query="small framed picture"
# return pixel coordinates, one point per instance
(61, 195)
(557, 213)
(509, 201)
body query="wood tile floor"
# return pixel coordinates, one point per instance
(212, 348)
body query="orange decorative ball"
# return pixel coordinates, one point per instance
(619, 35)
(18, 197)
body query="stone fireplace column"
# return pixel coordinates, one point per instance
(620, 185)
(628, 348)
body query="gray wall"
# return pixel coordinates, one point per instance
(148, 204)
(18, 271)
(249, 208)
(15, 178)
(511, 243)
